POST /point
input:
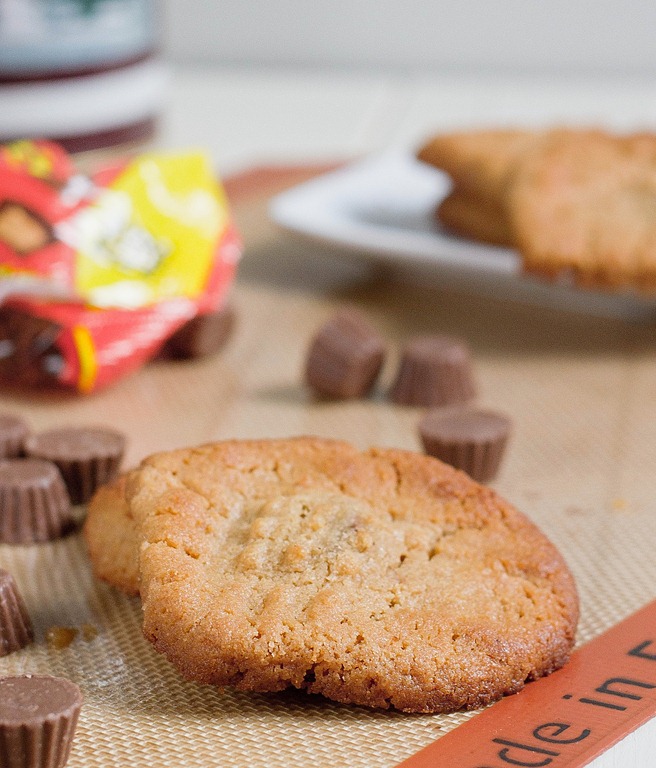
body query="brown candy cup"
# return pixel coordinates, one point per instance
(13, 431)
(466, 438)
(31, 356)
(434, 371)
(87, 457)
(15, 624)
(38, 716)
(201, 336)
(345, 356)
(34, 503)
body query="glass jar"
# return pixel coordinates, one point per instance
(84, 73)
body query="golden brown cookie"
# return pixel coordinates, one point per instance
(584, 204)
(472, 218)
(111, 538)
(383, 578)
(479, 161)
(480, 164)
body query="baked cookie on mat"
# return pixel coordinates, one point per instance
(383, 578)
(111, 538)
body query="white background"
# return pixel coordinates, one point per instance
(558, 37)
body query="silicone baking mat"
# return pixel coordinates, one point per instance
(582, 395)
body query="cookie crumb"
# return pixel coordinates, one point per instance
(61, 637)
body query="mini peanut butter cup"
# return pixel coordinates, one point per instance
(15, 624)
(38, 716)
(201, 336)
(344, 357)
(466, 438)
(29, 353)
(434, 371)
(34, 503)
(13, 431)
(87, 457)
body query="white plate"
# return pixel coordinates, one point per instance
(382, 207)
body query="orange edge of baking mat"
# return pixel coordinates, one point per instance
(266, 180)
(607, 690)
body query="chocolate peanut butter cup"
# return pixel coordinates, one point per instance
(201, 336)
(38, 716)
(434, 371)
(87, 457)
(15, 624)
(466, 438)
(29, 352)
(345, 356)
(13, 431)
(34, 503)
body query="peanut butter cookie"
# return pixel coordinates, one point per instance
(383, 578)
(584, 204)
(111, 538)
(478, 161)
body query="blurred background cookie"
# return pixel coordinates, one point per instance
(583, 204)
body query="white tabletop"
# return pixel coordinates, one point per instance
(244, 117)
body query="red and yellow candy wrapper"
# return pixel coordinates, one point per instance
(97, 272)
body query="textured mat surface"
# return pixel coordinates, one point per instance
(582, 395)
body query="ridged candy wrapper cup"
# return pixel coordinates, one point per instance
(96, 272)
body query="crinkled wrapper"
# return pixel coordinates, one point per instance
(98, 271)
